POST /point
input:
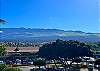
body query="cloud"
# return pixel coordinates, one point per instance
(1, 31)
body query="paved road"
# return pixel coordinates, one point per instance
(95, 70)
(85, 69)
(27, 68)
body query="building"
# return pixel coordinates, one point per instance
(97, 54)
(22, 53)
(21, 50)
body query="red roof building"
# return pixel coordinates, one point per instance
(22, 50)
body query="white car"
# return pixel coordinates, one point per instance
(1, 62)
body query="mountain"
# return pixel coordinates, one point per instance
(37, 35)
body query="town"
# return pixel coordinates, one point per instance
(59, 55)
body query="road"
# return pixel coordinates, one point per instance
(27, 68)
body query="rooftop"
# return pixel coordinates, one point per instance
(22, 49)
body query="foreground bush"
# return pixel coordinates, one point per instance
(97, 62)
(12, 69)
(39, 63)
(2, 67)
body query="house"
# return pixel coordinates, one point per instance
(22, 54)
(97, 54)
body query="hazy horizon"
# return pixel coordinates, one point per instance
(76, 15)
(46, 29)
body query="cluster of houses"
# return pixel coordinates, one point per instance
(19, 55)
(23, 55)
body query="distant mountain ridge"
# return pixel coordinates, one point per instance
(28, 34)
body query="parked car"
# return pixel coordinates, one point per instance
(37, 69)
(1, 62)
(25, 62)
(30, 61)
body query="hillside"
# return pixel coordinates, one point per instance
(27, 34)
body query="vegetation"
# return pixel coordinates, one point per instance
(39, 63)
(2, 50)
(12, 69)
(97, 62)
(65, 49)
(2, 21)
(2, 67)
(19, 44)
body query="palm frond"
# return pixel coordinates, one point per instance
(2, 21)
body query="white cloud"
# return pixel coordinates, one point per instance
(1, 31)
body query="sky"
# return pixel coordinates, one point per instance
(80, 15)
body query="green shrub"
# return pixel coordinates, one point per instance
(97, 62)
(12, 69)
(39, 63)
(2, 67)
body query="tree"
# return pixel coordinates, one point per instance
(2, 67)
(2, 50)
(65, 49)
(2, 21)
(39, 63)
(77, 60)
(70, 49)
(97, 62)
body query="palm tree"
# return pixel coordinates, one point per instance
(2, 21)
(2, 49)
